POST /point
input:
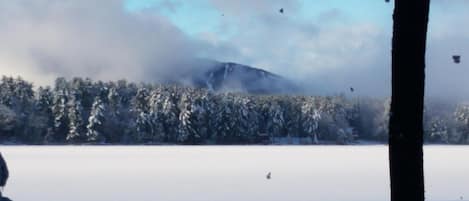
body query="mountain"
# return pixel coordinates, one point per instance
(233, 77)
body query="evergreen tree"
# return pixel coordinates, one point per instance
(293, 117)
(462, 117)
(140, 108)
(41, 121)
(276, 123)
(59, 111)
(170, 118)
(156, 116)
(311, 118)
(76, 125)
(188, 131)
(248, 122)
(223, 120)
(95, 132)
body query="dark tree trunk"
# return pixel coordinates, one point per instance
(408, 78)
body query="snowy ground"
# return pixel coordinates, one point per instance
(217, 173)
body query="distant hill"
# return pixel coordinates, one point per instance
(233, 77)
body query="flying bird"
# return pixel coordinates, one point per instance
(268, 175)
(281, 10)
(457, 59)
(352, 89)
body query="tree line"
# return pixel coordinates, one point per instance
(79, 111)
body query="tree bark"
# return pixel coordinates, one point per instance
(408, 80)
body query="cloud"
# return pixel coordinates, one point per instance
(327, 51)
(48, 38)
(332, 50)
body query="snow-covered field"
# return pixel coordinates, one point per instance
(217, 173)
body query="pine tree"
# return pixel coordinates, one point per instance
(170, 119)
(311, 118)
(140, 108)
(156, 116)
(248, 122)
(42, 119)
(7, 122)
(293, 117)
(276, 121)
(6, 91)
(225, 120)
(143, 128)
(95, 122)
(59, 110)
(75, 110)
(462, 117)
(438, 131)
(114, 124)
(188, 132)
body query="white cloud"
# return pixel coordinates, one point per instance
(47, 38)
(43, 39)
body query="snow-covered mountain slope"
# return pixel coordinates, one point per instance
(241, 78)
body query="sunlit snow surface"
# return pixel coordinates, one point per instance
(216, 173)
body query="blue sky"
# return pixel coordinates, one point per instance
(196, 16)
(190, 16)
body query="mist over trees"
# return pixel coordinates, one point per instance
(79, 111)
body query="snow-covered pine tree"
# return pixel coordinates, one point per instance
(247, 120)
(203, 114)
(188, 132)
(293, 117)
(143, 128)
(212, 108)
(156, 115)
(253, 120)
(113, 124)
(95, 132)
(263, 109)
(7, 122)
(276, 123)
(140, 101)
(335, 119)
(438, 131)
(76, 132)
(59, 110)
(41, 120)
(225, 121)
(7, 86)
(311, 117)
(195, 118)
(23, 94)
(140, 108)
(126, 117)
(170, 118)
(19, 97)
(462, 117)
(44, 100)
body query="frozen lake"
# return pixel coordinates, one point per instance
(216, 173)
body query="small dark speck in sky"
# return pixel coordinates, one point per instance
(457, 59)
